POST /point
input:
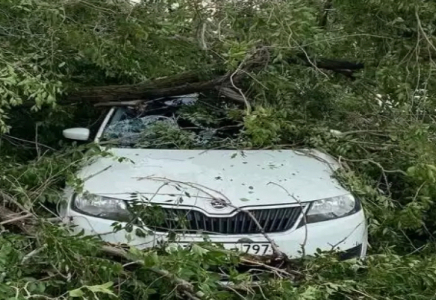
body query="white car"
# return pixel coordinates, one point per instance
(241, 199)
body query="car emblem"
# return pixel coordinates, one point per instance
(218, 203)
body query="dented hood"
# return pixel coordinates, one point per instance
(192, 177)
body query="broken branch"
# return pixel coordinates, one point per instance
(198, 81)
(184, 286)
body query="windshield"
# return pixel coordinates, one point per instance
(184, 122)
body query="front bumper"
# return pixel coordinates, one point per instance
(352, 252)
(347, 233)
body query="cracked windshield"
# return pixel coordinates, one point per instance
(175, 122)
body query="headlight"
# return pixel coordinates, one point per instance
(102, 207)
(332, 208)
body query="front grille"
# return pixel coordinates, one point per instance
(271, 220)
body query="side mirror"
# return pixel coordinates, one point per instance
(77, 134)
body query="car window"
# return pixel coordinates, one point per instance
(180, 122)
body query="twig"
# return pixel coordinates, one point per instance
(418, 249)
(257, 263)
(14, 220)
(5, 213)
(277, 270)
(302, 211)
(190, 296)
(327, 7)
(202, 38)
(33, 253)
(408, 239)
(38, 153)
(26, 141)
(119, 103)
(418, 20)
(235, 291)
(130, 263)
(247, 104)
(364, 294)
(7, 198)
(346, 237)
(183, 285)
(374, 132)
(309, 60)
(99, 172)
(229, 93)
(383, 170)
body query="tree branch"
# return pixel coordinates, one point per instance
(184, 286)
(343, 67)
(185, 83)
(325, 12)
(180, 84)
(198, 81)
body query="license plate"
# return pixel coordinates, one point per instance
(253, 248)
(249, 248)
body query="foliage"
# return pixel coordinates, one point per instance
(380, 126)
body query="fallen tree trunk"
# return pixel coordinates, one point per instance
(180, 84)
(184, 83)
(194, 82)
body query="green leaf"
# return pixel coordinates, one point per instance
(76, 293)
(139, 232)
(102, 288)
(198, 250)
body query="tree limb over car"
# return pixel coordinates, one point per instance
(196, 81)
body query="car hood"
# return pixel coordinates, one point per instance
(194, 177)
